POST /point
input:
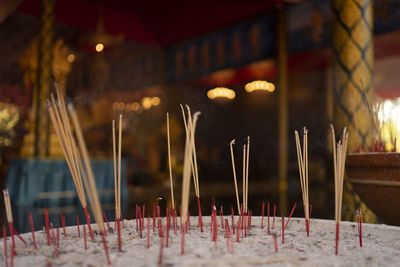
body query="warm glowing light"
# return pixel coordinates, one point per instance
(221, 92)
(71, 58)
(389, 119)
(155, 101)
(259, 86)
(99, 47)
(135, 106)
(147, 102)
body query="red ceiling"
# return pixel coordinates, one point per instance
(153, 21)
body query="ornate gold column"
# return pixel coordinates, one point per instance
(44, 62)
(352, 68)
(283, 111)
(44, 78)
(353, 82)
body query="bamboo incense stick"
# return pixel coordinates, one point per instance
(60, 120)
(191, 158)
(119, 166)
(170, 164)
(192, 143)
(89, 182)
(244, 179)
(339, 159)
(302, 158)
(247, 172)
(187, 167)
(234, 174)
(115, 169)
(7, 204)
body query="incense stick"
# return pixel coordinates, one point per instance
(339, 159)
(234, 174)
(302, 158)
(169, 164)
(192, 143)
(191, 158)
(7, 204)
(244, 179)
(89, 182)
(247, 172)
(117, 167)
(189, 126)
(59, 117)
(187, 167)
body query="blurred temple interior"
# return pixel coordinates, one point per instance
(253, 68)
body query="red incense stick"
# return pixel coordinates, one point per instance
(182, 241)
(119, 235)
(87, 215)
(337, 238)
(283, 229)
(238, 230)
(174, 219)
(262, 215)
(233, 220)
(275, 242)
(63, 224)
(359, 224)
(200, 218)
(105, 218)
(290, 216)
(11, 229)
(273, 220)
(46, 217)
(84, 237)
(33, 230)
(140, 224)
(20, 238)
(56, 241)
(268, 216)
(5, 244)
(106, 248)
(308, 222)
(77, 224)
(222, 219)
(245, 224)
(161, 249)
(137, 226)
(53, 235)
(154, 217)
(167, 233)
(12, 257)
(215, 232)
(148, 232)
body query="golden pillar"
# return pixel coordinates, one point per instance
(44, 62)
(353, 54)
(44, 78)
(283, 111)
(352, 68)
